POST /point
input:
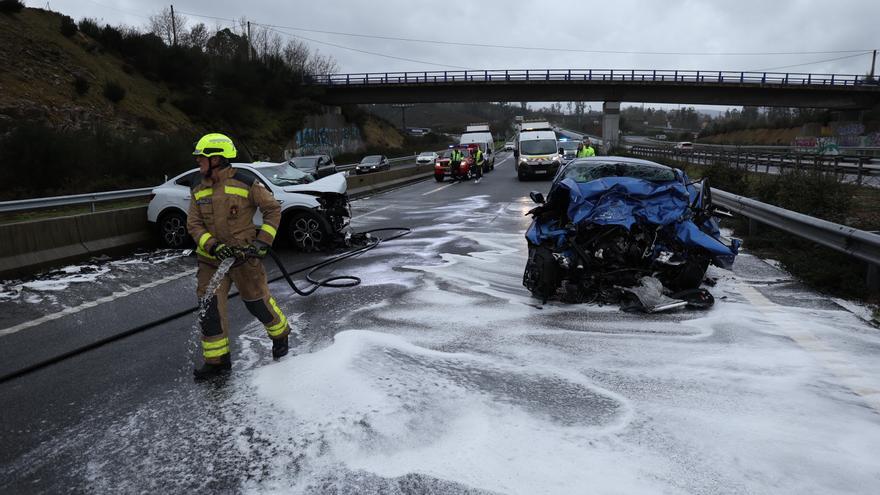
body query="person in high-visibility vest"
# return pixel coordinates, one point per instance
(455, 159)
(585, 150)
(220, 220)
(479, 160)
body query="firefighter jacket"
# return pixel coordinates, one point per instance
(222, 211)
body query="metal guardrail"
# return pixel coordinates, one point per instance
(854, 242)
(76, 199)
(93, 198)
(350, 166)
(860, 166)
(598, 75)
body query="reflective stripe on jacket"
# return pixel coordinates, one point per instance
(222, 211)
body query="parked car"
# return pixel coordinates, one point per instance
(427, 158)
(319, 166)
(314, 212)
(372, 163)
(616, 229)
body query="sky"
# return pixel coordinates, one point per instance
(746, 35)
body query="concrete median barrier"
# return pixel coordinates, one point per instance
(29, 246)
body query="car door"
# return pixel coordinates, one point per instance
(180, 195)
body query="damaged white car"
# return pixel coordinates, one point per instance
(315, 213)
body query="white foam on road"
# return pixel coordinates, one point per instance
(449, 381)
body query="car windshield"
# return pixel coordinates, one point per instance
(587, 171)
(305, 162)
(371, 159)
(538, 147)
(568, 145)
(285, 175)
(426, 153)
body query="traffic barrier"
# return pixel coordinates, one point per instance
(36, 244)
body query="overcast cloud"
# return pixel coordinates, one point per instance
(685, 27)
(621, 25)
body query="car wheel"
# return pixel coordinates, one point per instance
(520, 175)
(438, 178)
(306, 232)
(172, 230)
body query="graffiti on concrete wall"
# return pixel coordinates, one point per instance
(327, 133)
(812, 144)
(330, 140)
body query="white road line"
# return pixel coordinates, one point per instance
(847, 374)
(372, 212)
(439, 189)
(503, 161)
(92, 304)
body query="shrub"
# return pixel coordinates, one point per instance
(81, 84)
(68, 27)
(113, 91)
(90, 27)
(10, 6)
(815, 193)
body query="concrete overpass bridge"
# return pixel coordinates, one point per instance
(612, 86)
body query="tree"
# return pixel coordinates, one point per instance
(197, 37)
(168, 27)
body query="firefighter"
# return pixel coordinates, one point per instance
(221, 223)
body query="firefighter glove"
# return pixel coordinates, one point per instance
(222, 251)
(258, 249)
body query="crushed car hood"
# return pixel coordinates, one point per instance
(626, 201)
(335, 183)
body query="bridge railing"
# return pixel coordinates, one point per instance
(595, 75)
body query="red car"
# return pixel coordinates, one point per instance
(443, 168)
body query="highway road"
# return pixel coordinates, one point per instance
(438, 374)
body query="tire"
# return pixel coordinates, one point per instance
(520, 175)
(438, 178)
(172, 230)
(307, 232)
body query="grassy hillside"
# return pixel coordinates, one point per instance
(86, 107)
(41, 67)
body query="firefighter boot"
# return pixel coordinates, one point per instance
(210, 370)
(280, 347)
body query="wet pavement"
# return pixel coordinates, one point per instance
(439, 374)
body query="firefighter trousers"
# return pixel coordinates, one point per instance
(250, 278)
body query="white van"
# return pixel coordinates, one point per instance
(538, 154)
(484, 140)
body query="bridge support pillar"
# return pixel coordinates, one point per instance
(610, 123)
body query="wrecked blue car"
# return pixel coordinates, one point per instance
(624, 230)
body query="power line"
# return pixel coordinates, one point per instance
(539, 48)
(365, 51)
(277, 30)
(810, 63)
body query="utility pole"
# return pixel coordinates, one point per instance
(173, 28)
(249, 39)
(873, 61)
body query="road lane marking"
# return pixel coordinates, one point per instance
(439, 189)
(372, 212)
(847, 374)
(91, 304)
